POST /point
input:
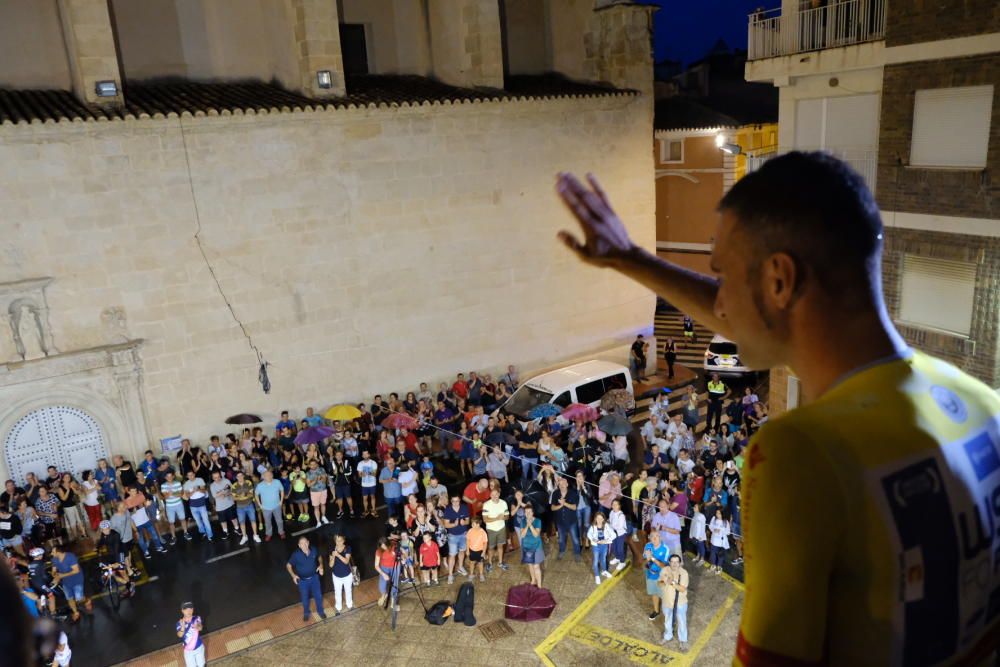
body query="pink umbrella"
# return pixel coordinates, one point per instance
(575, 411)
(400, 420)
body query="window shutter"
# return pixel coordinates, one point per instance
(951, 127)
(938, 294)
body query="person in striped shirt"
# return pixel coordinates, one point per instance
(172, 492)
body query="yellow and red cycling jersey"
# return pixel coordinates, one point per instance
(872, 523)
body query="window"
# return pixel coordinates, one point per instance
(563, 400)
(615, 382)
(590, 392)
(354, 47)
(951, 127)
(525, 399)
(671, 150)
(793, 394)
(937, 294)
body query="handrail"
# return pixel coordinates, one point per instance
(837, 23)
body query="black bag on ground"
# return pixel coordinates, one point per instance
(438, 613)
(465, 604)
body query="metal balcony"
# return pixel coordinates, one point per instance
(838, 23)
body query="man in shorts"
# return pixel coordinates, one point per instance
(367, 469)
(317, 480)
(456, 522)
(890, 453)
(189, 629)
(172, 492)
(495, 515)
(246, 509)
(225, 506)
(68, 573)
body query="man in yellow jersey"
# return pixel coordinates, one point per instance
(872, 514)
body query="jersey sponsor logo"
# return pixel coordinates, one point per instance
(949, 402)
(983, 456)
(945, 508)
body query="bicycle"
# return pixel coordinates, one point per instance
(109, 582)
(43, 602)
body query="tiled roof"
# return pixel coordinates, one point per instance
(683, 113)
(143, 100)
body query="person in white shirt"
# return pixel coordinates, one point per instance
(685, 463)
(720, 540)
(651, 428)
(600, 535)
(696, 533)
(618, 523)
(63, 652)
(659, 406)
(408, 478)
(367, 469)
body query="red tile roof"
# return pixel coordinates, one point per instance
(144, 100)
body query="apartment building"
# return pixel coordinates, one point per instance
(907, 93)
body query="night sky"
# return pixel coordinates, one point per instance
(686, 29)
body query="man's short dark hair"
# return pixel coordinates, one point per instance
(817, 209)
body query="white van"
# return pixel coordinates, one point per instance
(585, 382)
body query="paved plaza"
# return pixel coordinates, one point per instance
(591, 626)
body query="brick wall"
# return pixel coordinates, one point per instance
(983, 362)
(912, 21)
(952, 192)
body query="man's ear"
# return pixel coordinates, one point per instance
(781, 279)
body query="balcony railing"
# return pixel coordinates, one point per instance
(838, 23)
(863, 160)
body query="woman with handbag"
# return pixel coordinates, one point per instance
(341, 566)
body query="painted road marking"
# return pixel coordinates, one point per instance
(636, 650)
(709, 631)
(303, 532)
(542, 650)
(228, 555)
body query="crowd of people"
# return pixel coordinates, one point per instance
(513, 485)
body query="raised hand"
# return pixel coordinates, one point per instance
(605, 238)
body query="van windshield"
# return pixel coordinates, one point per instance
(723, 348)
(525, 399)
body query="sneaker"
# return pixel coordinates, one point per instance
(145, 554)
(340, 514)
(187, 536)
(244, 540)
(664, 640)
(653, 614)
(209, 538)
(267, 538)
(303, 518)
(236, 534)
(482, 577)
(162, 549)
(619, 567)
(256, 538)
(461, 570)
(577, 558)
(288, 517)
(489, 568)
(322, 616)
(451, 579)
(281, 536)
(613, 561)
(504, 567)
(606, 574)
(684, 646)
(472, 577)
(597, 580)
(305, 618)
(559, 556)
(325, 521)
(735, 561)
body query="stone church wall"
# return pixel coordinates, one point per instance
(364, 250)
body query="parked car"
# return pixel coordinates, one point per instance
(585, 382)
(722, 356)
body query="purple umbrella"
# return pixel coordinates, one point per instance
(313, 434)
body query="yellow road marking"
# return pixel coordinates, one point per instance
(710, 629)
(554, 637)
(636, 650)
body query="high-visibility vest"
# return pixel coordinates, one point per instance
(716, 388)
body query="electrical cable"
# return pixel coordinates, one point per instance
(262, 377)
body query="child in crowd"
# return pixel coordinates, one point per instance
(426, 470)
(430, 560)
(406, 551)
(477, 540)
(697, 533)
